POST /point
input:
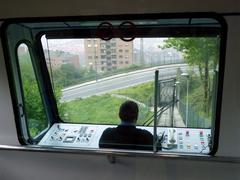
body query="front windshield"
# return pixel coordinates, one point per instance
(92, 77)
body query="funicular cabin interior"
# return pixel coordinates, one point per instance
(65, 71)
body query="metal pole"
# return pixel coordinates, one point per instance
(178, 93)
(95, 61)
(174, 91)
(155, 138)
(142, 60)
(186, 75)
(187, 104)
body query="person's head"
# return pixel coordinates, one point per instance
(128, 112)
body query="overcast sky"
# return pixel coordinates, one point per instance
(77, 45)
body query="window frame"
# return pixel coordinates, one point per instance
(30, 138)
(43, 68)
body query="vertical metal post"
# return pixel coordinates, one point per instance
(178, 96)
(177, 93)
(173, 104)
(142, 60)
(214, 108)
(156, 93)
(95, 61)
(186, 118)
(187, 103)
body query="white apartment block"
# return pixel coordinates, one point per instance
(108, 55)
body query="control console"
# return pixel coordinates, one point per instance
(185, 140)
(87, 136)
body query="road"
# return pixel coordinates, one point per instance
(121, 81)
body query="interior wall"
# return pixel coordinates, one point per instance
(29, 8)
(8, 133)
(230, 119)
(229, 133)
(38, 166)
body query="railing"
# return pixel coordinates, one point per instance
(194, 120)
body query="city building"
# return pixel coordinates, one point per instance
(108, 55)
(59, 58)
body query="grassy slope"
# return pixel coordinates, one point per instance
(143, 92)
(104, 109)
(96, 109)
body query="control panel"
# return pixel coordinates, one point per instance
(185, 140)
(73, 135)
(87, 136)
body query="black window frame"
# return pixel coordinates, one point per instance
(48, 87)
(30, 139)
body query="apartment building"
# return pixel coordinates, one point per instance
(59, 58)
(108, 55)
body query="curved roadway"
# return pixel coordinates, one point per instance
(120, 81)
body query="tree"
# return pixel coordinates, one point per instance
(34, 109)
(33, 104)
(202, 52)
(67, 75)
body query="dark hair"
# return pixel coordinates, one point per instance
(128, 111)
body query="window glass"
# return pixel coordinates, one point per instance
(33, 105)
(190, 62)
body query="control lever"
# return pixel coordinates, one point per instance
(172, 138)
(160, 141)
(209, 139)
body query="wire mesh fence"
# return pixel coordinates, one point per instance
(194, 120)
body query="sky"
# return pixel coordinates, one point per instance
(77, 45)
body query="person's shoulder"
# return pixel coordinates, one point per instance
(144, 132)
(107, 138)
(144, 137)
(108, 131)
